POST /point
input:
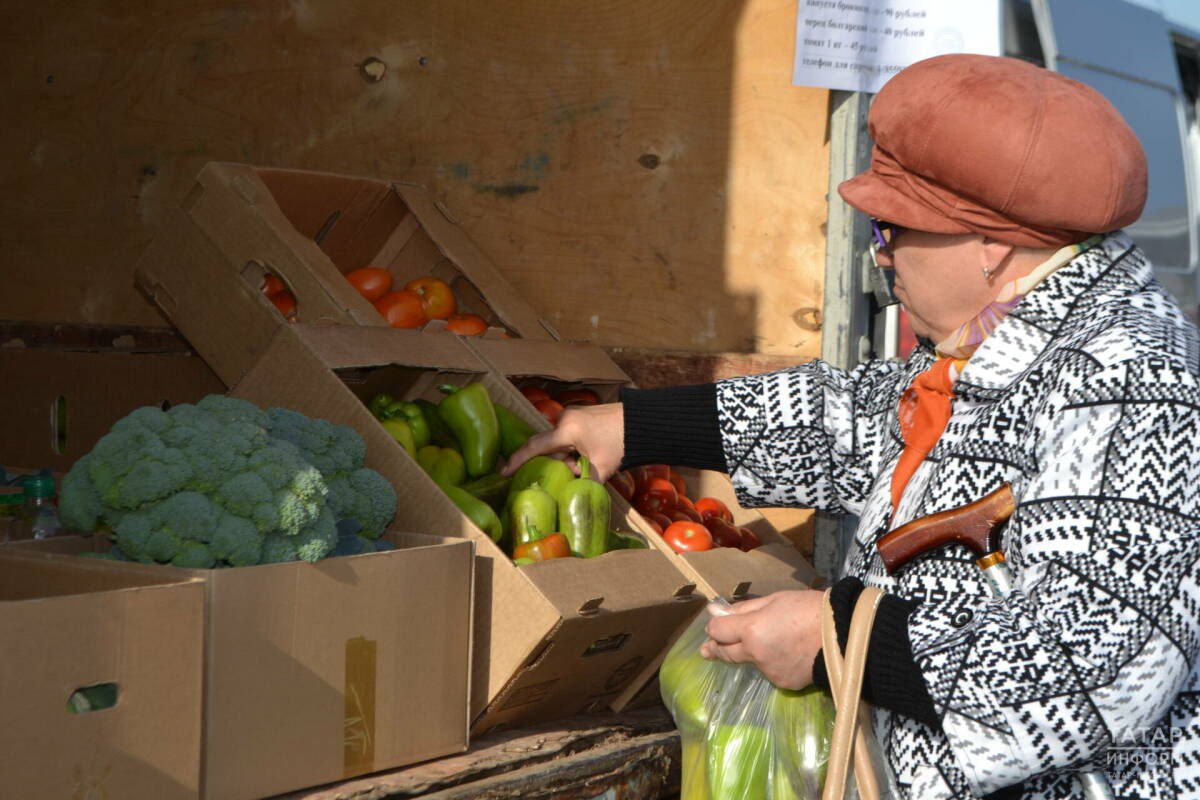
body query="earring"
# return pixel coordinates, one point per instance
(987, 273)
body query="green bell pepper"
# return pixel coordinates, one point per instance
(533, 513)
(439, 434)
(470, 416)
(479, 512)
(738, 760)
(444, 465)
(805, 718)
(583, 511)
(378, 403)
(491, 489)
(398, 429)
(549, 473)
(410, 413)
(514, 431)
(625, 541)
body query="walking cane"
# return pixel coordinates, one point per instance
(977, 527)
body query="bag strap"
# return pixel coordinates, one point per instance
(852, 726)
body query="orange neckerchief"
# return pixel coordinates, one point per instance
(924, 411)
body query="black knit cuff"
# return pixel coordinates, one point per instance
(675, 425)
(892, 680)
(893, 677)
(843, 596)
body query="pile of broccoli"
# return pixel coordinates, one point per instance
(224, 483)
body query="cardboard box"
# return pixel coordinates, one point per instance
(735, 575)
(320, 672)
(59, 403)
(553, 366)
(722, 572)
(310, 228)
(70, 624)
(552, 639)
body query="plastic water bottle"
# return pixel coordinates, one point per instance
(12, 505)
(40, 508)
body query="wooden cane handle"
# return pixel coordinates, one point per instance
(976, 525)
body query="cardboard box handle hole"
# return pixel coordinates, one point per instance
(58, 425)
(591, 606)
(607, 644)
(96, 697)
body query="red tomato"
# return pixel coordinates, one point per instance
(657, 528)
(651, 504)
(371, 282)
(553, 546)
(401, 309)
(659, 500)
(685, 502)
(724, 534)
(712, 507)
(661, 520)
(664, 486)
(750, 539)
(643, 474)
(686, 537)
(677, 479)
(534, 393)
(639, 479)
(622, 481)
(437, 298)
(550, 409)
(272, 284)
(681, 513)
(285, 302)
(578, 397)
(466, 324)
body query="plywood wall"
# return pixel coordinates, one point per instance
(642, 171)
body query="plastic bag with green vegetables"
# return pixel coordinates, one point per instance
(742, 737)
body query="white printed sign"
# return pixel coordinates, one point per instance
(857, 45)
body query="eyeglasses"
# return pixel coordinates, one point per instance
(883, 234)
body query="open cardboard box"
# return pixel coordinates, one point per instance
(241, 222)
(730, 573)
(320, 672)
(551, 639)
(722, 572)
(67, 400)
(71, 624)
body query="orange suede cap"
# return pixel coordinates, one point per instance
(997, 146)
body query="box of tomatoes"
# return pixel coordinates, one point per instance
(324, 249)
(730, 551)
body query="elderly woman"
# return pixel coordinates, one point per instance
(1050, 360)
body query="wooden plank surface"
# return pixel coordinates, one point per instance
(631, 755)
(643, 172)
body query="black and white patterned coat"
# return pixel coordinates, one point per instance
(1086, 400)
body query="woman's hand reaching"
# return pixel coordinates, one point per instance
(597, 432)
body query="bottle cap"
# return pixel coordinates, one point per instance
(39, 486)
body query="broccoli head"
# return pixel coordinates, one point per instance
(224, 483)
(79, 506)
(365, 496)
(330, 448)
